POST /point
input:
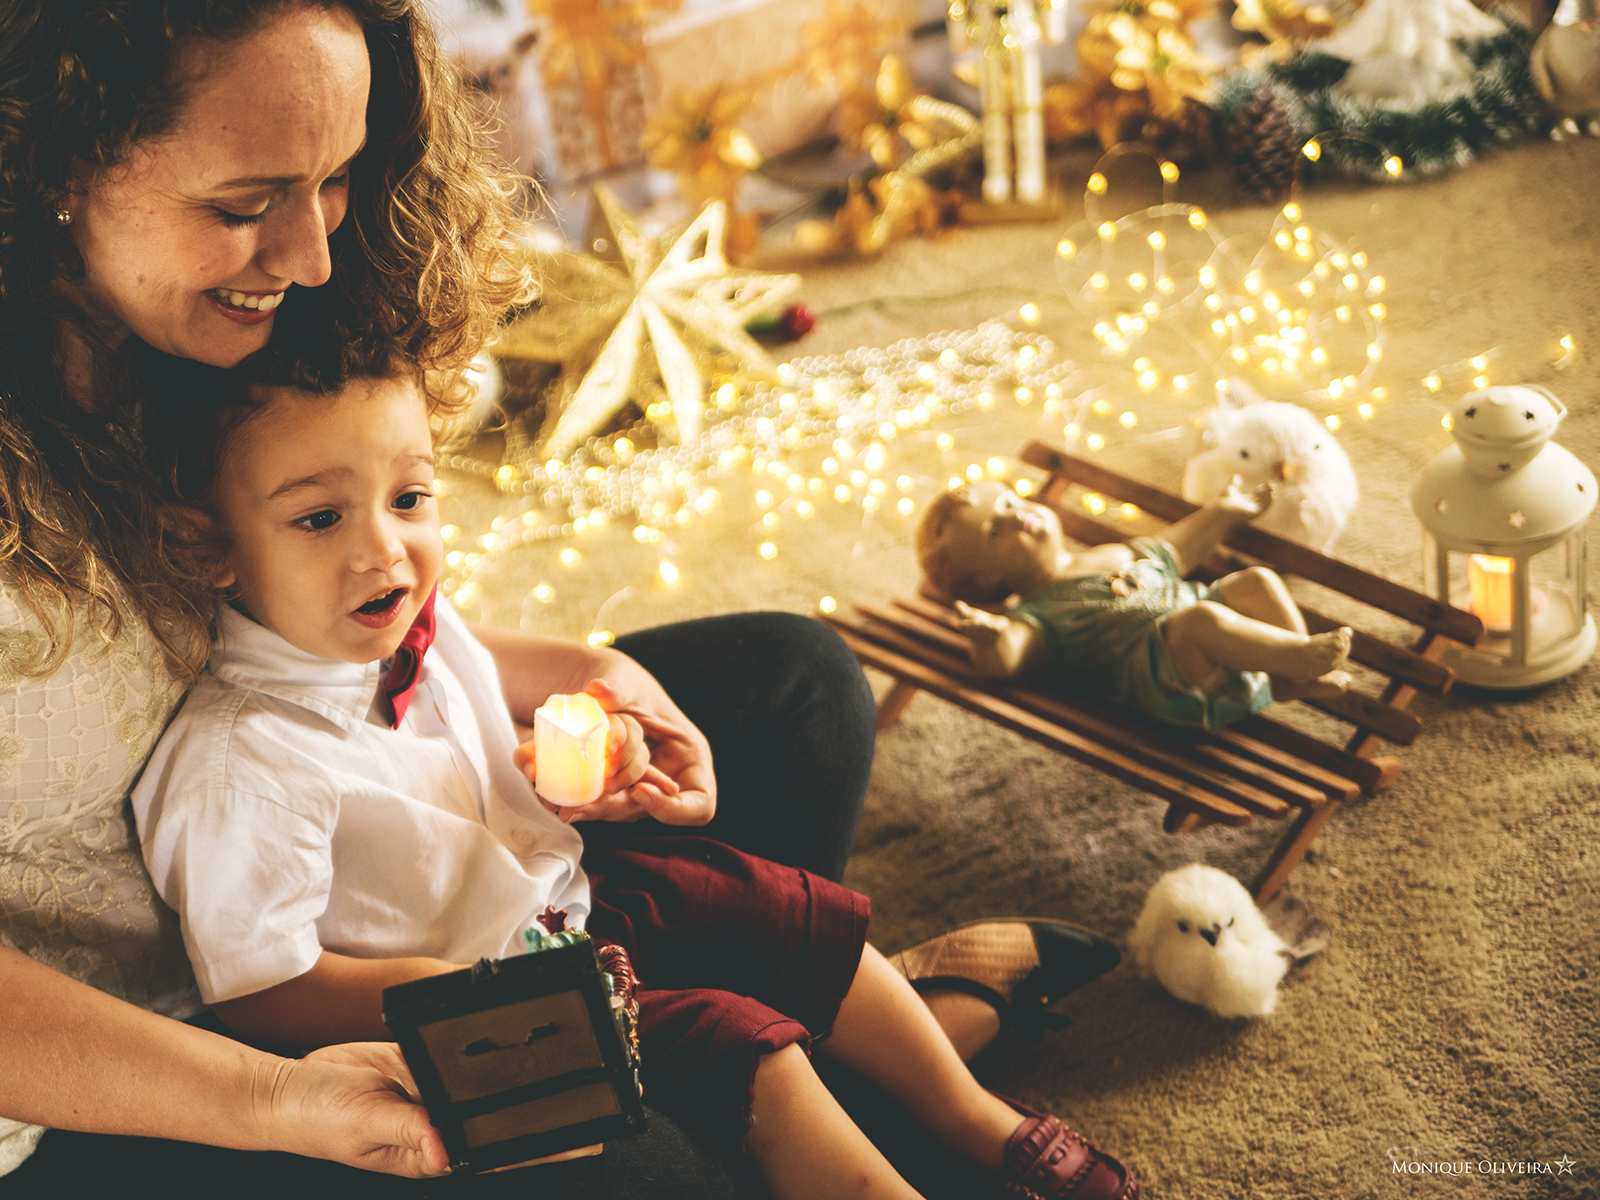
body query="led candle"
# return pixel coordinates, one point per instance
(569, 743)
(1490, 580)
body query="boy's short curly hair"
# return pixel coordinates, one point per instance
(192, 412)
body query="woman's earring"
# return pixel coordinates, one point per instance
(63, 216)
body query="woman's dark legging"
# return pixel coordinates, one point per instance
(791, 725)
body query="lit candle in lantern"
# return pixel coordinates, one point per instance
(569, 744)
(1490, 580)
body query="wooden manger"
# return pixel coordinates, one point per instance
(1260, 767)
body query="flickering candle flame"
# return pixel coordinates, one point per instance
(569, 742)
(1490, 580)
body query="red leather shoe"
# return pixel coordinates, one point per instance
(1047, 1161)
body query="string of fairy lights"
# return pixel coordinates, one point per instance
(1176, 311)
(823, 431)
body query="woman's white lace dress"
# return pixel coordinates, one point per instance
(73, 889)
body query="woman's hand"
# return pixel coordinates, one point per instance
(355, 1104)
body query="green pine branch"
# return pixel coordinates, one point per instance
(1501, 105)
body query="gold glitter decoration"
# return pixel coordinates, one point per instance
(886, 209)
(881, 120)
(1140, 77)
(1161, 60)
(697, 137)
(901, 201)
(844, 47)
(660, 322)
(1076, 108)
(1287, 25)
(595, 37)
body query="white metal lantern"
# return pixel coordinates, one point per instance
(1503, 512)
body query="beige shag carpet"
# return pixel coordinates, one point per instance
(1453, 1018)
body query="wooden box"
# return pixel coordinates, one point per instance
(518, 1058)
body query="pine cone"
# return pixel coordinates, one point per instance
(1188, 139)
(1265, 146)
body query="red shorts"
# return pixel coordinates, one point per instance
(736, 957)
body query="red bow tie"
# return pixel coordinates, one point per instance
(406, 664)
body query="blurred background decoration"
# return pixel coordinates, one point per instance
(668, 215)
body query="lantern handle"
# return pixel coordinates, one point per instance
(1561, 409)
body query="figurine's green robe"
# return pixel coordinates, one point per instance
(1099, 638)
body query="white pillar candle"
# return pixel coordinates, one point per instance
(569, 747)
(996, 122)
(1027, 98)
(1055, 22)
(956, 26)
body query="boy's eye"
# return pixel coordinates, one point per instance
(409, 501)
(318, 521)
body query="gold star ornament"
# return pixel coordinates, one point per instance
(647, 330)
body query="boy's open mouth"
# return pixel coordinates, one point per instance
(383, 603)
(380, 611)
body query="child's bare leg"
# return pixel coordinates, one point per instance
(807, 1147)
(970, 1023)
(885, 1032)
(1260, 593)
(1207, 640)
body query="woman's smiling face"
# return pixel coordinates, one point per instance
(194, 241)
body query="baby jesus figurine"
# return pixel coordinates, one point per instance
(1122, 617)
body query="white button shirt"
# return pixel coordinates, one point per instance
(281, 816)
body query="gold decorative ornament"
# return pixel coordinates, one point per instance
(887, 208)
(845, 46)
(660, 322)
(881, 120)
(1007, 34)
(594, 39)
(697, 137)
(1140, 78)
(901, 201)
(1161, 60)
(1287, 25)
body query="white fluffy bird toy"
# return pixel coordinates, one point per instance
(1201, 936)
(1285, 445)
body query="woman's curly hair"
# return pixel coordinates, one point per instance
(424, 264)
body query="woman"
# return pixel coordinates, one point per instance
(201, 175)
